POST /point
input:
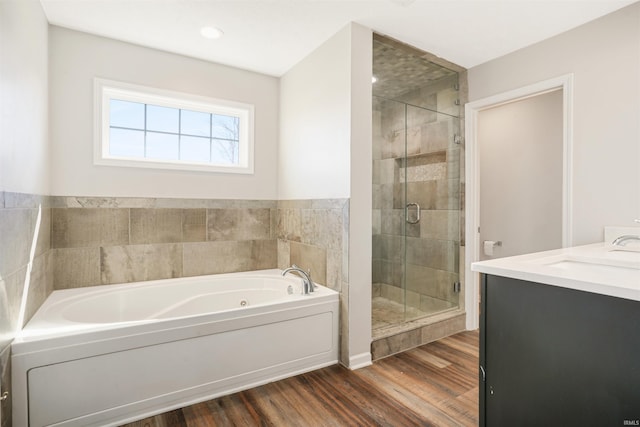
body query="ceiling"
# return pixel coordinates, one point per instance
(400, 69)
(271, 36)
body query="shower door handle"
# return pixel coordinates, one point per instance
(417, 206)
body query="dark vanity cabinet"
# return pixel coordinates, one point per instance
(552, 356)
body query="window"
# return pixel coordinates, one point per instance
(138, 126)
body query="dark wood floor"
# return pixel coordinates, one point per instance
(433, 385)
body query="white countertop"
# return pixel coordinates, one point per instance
(591, 268)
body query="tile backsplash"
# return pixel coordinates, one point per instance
(99, 241)
(25, 258)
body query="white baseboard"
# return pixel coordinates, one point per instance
(360, 361)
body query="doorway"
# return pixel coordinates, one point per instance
(520, 157)
(557, 93)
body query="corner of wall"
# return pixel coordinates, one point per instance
(361, 181)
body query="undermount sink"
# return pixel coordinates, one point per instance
(590, 266)
(612, 266)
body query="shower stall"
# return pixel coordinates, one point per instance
(417, 189)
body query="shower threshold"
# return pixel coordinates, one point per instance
(389, 317)
(392, 338)
(388, 312)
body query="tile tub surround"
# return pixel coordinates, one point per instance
(100, 241)
(18, 222)
(314, 234)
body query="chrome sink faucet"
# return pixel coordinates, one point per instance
(307, 284)
(622, 240)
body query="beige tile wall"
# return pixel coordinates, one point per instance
(18, 223)
(101, 241)
(314, 235)
(87, 241)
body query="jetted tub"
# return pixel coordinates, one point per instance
(110, 354)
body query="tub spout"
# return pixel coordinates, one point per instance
(307, 284)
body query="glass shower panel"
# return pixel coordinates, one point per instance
(430, 177)
(416, 212)
(389, 145)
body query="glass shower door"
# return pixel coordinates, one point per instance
(416, 212)
(430, 179)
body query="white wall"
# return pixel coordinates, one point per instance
(325, 152)
(24, 152)
(604, 56)
(520, 159)
(361, 184)
(76, 58)
(315, 121)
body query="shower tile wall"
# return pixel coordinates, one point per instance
(432, 175)
(20, 264)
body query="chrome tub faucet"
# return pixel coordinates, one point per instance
(307, 284)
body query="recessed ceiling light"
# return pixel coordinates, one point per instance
(211, 32)
(403, 2)
(374, 79)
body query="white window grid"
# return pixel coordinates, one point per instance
(107, 90)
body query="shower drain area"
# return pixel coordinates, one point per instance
(386, 312)
(389, 316)
(393, 339)
(391, 307)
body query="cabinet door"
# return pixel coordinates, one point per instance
(555, 356)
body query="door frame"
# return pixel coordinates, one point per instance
(472, 174)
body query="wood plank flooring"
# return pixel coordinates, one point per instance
(433, 385)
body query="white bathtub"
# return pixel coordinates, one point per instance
(111, 354)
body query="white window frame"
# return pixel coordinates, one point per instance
(105, 90)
